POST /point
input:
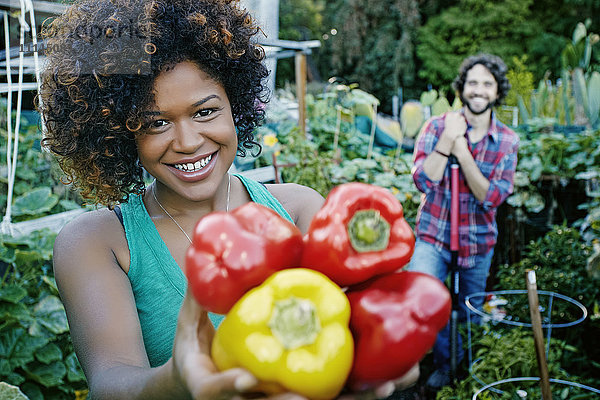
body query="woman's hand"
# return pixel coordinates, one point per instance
(386, 389)
(193, 366)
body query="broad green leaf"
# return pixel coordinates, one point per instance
(5, 368)
(74, 371)
(7, 254)
(51, 282)
(18, 347)
(32, 391)
(586, 175)
(26, 257)
(37, 201)
(69, 205)
(533, 165)
(26, 174)
(515, 200)
(12, 293)
(15, 312)
(9, 392)
(535, 203)
(521, 179)
(49, 353)
(13, 378)
(440, 106)
(427, 98)
(48, 375)
(51, 314)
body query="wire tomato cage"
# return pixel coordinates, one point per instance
(496, 314)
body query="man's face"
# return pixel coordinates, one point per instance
(480, 91)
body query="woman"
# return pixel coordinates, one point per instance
(173, 87)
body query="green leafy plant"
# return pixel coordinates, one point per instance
(504, 353)
(560, 260)
(36, 353)
(548, 158)
(37, 191)
(308, 166)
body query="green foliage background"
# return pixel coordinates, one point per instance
(472, 26)
(409, 44)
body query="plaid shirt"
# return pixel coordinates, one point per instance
(496, 157)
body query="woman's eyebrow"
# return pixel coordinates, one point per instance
(196, 104)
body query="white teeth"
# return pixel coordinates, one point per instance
(193, 167)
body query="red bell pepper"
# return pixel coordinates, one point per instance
(359, 232)
(234, 252)
(394, 320)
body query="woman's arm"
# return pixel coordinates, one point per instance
(102, 315)
(105, 328)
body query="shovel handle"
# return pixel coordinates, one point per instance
(454, 209)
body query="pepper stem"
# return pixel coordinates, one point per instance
(295, 322)
(368, 231)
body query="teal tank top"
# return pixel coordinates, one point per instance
(157, 282)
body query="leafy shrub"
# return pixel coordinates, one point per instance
(559, 260)
(36, 352)
(502, 354)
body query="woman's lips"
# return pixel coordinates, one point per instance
(198, 174)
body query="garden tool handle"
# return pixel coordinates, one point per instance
(454, 200)
(454, 279)
(538, 336)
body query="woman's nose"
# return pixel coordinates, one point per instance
(187, 138)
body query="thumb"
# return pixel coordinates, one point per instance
(193, 323)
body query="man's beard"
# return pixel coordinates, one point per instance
(474, 112)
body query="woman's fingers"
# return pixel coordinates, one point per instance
(408, 379)
(386, 389)
(226, 384)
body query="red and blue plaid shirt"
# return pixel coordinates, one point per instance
(496, 157)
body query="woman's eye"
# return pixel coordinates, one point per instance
(159, 123)
(205, 112)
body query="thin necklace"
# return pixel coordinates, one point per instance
(173, 219)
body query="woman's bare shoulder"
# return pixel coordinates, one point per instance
(91, 233)
(301, 202)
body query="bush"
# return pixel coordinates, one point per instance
(36, 352)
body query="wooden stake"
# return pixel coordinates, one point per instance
(538, 337)
(301, 90)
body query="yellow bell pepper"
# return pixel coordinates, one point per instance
(292, 333)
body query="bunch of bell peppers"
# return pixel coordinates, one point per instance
(315, 313)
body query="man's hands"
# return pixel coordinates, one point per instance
(455, 127)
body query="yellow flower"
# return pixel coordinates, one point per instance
(270, 140)
(395, 190)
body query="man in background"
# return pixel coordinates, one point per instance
(486, 151)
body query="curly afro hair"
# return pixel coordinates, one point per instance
(494, 64)
(103, 57)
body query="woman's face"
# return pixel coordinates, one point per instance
(189, 140)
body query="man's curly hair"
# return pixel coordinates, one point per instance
(494, 64)
(103, 57)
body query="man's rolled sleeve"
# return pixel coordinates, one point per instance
(425, 144)
(501, 186)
